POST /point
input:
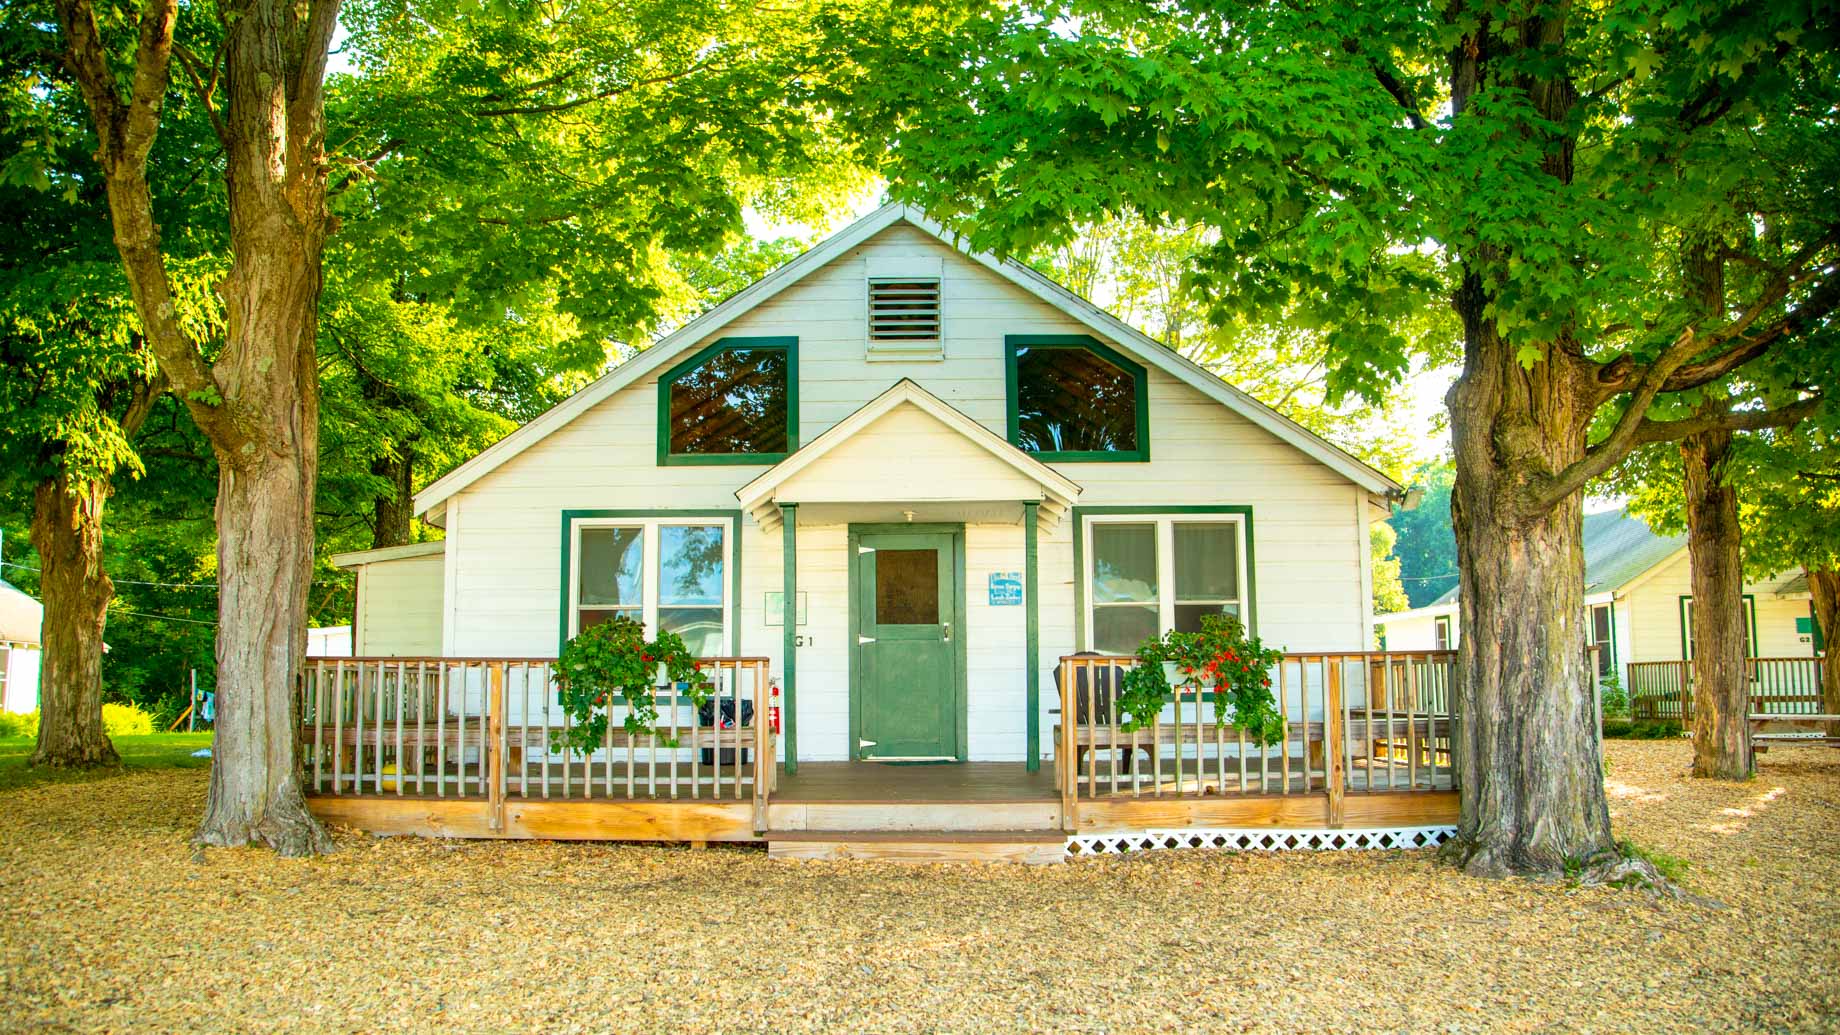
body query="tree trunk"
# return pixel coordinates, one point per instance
(1721, 687)
(265, 564)
(67, 532)
(1824, 587)
(391, 514)
(267, 435)
(1526, 746)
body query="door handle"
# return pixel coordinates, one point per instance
(948, 637)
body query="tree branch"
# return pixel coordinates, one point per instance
(127, 133)
(1652, 431)
(1614, 376)
(1608, 453)
(1390, 83)
(140, 404)
(601, 95)
(205, 90)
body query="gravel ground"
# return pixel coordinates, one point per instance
(110, 921)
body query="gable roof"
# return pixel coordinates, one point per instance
(358, 558)
(1618, 548)
(1057, 493)
(1140, 345)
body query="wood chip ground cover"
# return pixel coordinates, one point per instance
(110, 921)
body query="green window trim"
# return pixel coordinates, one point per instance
(731, 517)
(1686, 625)
(1080, 514)
(666, 458)
(1141, 396)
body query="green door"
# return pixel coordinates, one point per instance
(906, 667)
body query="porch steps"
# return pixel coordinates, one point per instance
(913, 816)
(1033, 847)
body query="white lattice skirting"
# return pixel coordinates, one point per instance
(1258, 840)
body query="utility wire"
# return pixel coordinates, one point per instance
(163, 618)
(126, 582)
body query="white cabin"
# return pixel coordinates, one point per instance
(960, 470)
(20, 619)
(1638, 597)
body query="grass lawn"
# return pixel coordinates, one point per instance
(153, 751)
(112, 921)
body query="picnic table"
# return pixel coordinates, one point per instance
(1819, 729)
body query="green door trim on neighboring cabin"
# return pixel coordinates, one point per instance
(950, 538)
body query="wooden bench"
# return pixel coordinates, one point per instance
(1824, 730)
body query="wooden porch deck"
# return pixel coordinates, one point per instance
(869, 782)
(463, 748)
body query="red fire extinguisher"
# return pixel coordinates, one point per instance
(773, 710)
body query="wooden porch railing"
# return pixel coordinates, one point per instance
(1662, 691)
(485, 727)
(1355, 722)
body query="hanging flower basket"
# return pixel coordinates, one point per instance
(1219, 659)
(615, 659)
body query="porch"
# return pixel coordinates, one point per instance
(464, 747)
(1662, 691)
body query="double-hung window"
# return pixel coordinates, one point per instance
(671, 573)
(1148, 574)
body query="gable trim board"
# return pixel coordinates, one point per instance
(357, 558)
(759, 497)
(1139, 345)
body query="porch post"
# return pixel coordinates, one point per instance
(1032, 606)
(789, 562)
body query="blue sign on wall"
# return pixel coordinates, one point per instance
(1005, 589)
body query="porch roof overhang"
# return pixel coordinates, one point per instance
(908, 455)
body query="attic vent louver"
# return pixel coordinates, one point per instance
(904, 310)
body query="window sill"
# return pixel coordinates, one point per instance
(721, 459)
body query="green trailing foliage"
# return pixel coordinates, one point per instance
(1615, 698)
(615, 659)
(1219, 657)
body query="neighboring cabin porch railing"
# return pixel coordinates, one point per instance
(487, 727)
(1354, 722)
(1662, 691)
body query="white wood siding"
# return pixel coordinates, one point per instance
(908, 454)
(1308, 539)
(399, 607)
(1654, 616)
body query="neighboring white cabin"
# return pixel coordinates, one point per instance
(20, 620)
(1638, 603)
(399, 602)
(910, 468)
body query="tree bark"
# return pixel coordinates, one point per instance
(1526, 746)
(266, 437)
(1721, 687)
(67, 532)
(391, 515)
(1824, 587)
